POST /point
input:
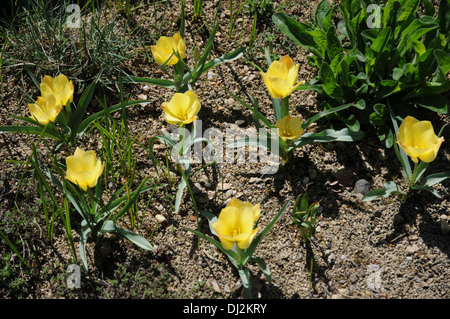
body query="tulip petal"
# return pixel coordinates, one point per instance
(280, 87)
(245, 243)
(292, 75)
(46, 89)
(277, 69)
(287, 61)
(266, 80)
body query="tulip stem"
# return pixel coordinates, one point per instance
(414, 175)
(284, 106)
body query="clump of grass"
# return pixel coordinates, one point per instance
(95, 50)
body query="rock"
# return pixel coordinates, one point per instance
(207, 185)
(142, 97)
(353, 278)
(445, 227)
(337, 296)
(228, 194)
(331, 258)
(399, 219)
(224, 187)
(344, 176)
(411, 249)
(146, 88)
(305, 180)
(253, 180)
(239, 122)
(215, 285)
(211, 75)
(361, 187)
(160, 218)
(197, 188)
(312, 173)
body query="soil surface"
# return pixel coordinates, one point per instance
(386, 248)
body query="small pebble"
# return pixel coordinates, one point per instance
(445, 227)
(362, 187)
(160, 218)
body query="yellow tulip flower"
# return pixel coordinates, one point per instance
(289, 128)
(83, 168)
(165, 47)
(235, 224)
(182, 108)
(45, 110)
(281, 77)
(239, 204)
(59, 86)
(418, 140)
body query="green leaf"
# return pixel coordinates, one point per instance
(92, 118)
(328, 79)
(323, 15)
(297, 32)
(244, 274)
(388, 189)
(329, 135)
(382, 39)
(433, 179)
(33, 130)
(80, 111)
(264, 268)
(334, 46)
(443, 60)
(181, 187)
(85, 232)
(435, 102)
(327, 112)
(138, 240)
(443, 17)
(228, 57)
(209, 44)
(169, 84)
(429, 8)
(230, 253)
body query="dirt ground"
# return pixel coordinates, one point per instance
(383, 249)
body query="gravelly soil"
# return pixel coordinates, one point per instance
(383, 249)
